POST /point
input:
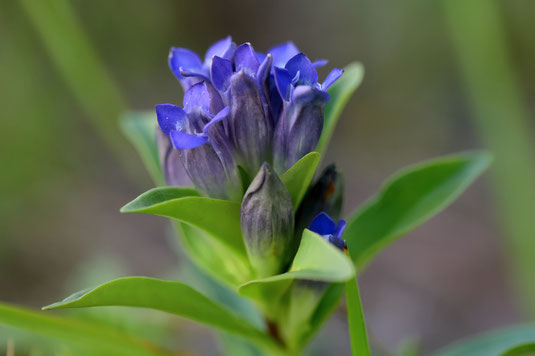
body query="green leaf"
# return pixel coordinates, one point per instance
(102, 340)
(219, 218)
(409, 198)
(140, 129)
(355, 320)
(298, 177)
(509, 341)
(340, 93)
(316, 260)
(171, 297)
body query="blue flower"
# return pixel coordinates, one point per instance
(324, 226)
(200, 136)
(301, 122)
(243, 108)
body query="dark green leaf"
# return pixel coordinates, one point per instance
(408, 199)
(171, 297)
(219, 218)
(140, 129)
(298, 177)
(509, 341)
(101, 339)
(340, 93)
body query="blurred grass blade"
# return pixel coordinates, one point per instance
(509, 341)
(101, 339)
(140, 129)
(340, 93)
(167, 296)
(409, 198)
(298, 177)
(503, 121)
(71, 52)
(355, 320)
(219, 218)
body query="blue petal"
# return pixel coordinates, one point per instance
(283, 53)
(183, 58)
(222, 48)
(197, 98)
(260, 56)
(300, 63)
(319, 63)
(170, 117)
(245, 59)
(331, 78)
(220, 116)
(340, 228)
(337, 242)
(322, 225)
(221, 72)
(283, 82)
(184, 141)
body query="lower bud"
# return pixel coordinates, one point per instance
(267, 223)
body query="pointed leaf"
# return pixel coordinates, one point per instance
(140, 129)
(355, 320)
(316, 260)
(340, 93)
(408, 199)
(101, 339)
(219, 218)
(298, 177)
(171, 297)
(515, 340)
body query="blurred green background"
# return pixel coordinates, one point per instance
(441, 76)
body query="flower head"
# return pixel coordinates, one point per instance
(324, 226)
(243, 108)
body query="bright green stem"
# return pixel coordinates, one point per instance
(76, 60)
(477, 33)
(355, 319)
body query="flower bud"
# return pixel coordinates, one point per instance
(299, 127)
(325, 195)
(267, 223)
(172, 168)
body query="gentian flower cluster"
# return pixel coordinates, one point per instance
(246, 118)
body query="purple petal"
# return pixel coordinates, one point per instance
(222, 48)
(220, 116)
(170, 117)
(197, 98)
(283, 81)
(184, 141)
(221, 72)
(319, 63)
(251, 127)
(245, 59)
(186, 74)
(339, 243)
(260, 56)
(170, 161)
(300, 63)
(331, 78)
(183, 58)
(322, 225)
(340, 228)
(283, 53)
